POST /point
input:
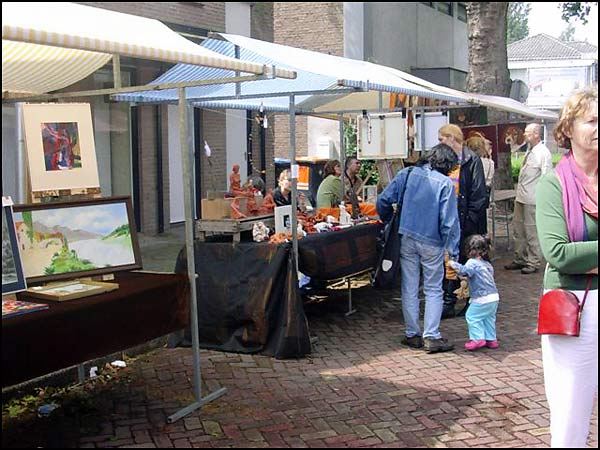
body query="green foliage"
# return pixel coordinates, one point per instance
(568, 34)
(517, 21)
(576, 10)
(516, 162)
(67, 261)
(351, 149)
(123, 230)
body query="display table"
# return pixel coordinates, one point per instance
(248, 299)
(248, 296)
(146, 306)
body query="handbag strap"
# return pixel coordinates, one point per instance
(401, 196)
(587, 289)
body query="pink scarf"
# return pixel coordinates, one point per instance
(578, 195)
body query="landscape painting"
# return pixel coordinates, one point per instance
(12, 274)
(68, 240)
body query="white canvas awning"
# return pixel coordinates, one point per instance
(92, 35)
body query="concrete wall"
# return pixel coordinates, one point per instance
(406, 35)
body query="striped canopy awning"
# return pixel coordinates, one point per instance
(70, 41)
(33, 68)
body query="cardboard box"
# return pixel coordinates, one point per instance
(214, 209)
(220, 208)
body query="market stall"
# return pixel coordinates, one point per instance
(35, 34)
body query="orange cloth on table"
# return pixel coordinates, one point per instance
(367, 209)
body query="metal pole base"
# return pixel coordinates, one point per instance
(196, 405)
(350, 309)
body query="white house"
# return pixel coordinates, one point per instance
(552, 68)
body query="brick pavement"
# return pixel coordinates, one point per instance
(359, 388)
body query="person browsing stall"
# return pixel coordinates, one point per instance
(329, 194)
(536, 162)
(469, 184)
(481, 315)
(429, 224)
(567, 224)
(282, 195)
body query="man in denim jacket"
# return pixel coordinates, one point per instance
(429, 224)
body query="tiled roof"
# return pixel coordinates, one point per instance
(583, 47)
(542, 46)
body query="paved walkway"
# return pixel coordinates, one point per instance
(359, 388)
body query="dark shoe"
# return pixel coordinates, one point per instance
(514, 266)
(529, 269)
(413, 341)
(448, 312)
(437, 345)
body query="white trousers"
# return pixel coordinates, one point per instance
(571, 378)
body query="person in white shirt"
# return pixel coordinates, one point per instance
(537, 162)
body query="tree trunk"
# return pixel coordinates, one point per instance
(488, 67)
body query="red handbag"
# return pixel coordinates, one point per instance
(560, 312)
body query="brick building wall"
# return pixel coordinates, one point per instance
(209, 16)
(317, 26)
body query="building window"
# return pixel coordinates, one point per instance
(445, 7)
(461, 12)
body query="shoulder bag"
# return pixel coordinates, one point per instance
(560, 312)
(388, 263)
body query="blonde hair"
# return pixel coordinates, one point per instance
(578, 103)
(452, 130)
(284, 175)
(476, 142)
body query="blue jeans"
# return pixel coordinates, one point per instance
(414, 255)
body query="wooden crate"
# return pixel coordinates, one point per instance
(231, 226)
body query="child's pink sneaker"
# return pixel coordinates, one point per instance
(474, 345)
(492, 344)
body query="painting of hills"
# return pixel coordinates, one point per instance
(74, 239)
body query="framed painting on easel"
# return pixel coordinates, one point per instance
(60, 147)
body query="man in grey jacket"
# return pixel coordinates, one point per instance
(537, 162)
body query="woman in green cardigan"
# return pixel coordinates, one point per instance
(567, 224)
(329, 194)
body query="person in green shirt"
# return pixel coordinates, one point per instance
(567, 226)
(329, 194)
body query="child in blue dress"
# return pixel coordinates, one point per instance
(481, 314)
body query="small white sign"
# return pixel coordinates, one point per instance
(295, 170)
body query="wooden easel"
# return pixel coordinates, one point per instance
(388, 168)
(59, 195)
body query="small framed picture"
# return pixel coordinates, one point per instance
(60, 146)
(71, 290)
(13, 279)
(283, 219)
(370, 194)
(75, 239)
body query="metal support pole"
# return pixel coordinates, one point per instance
(350, 309)
(191, 266)
(292, 118)
(81, 373)
(21, 163)
(342, 154)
